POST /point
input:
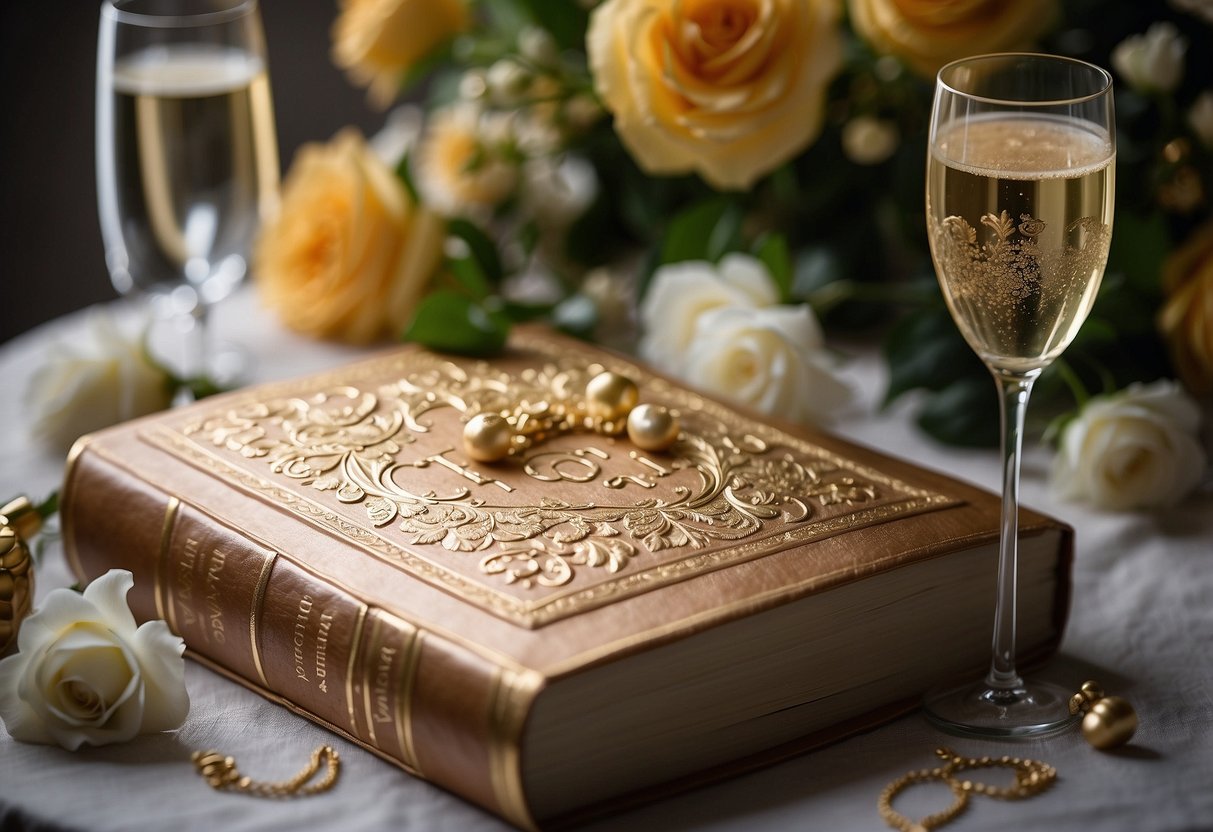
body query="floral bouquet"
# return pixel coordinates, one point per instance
(721, 184)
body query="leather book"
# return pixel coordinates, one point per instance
(578, 626)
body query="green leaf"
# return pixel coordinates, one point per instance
(480, 246)
(925, 350)
(404, 173)
(566, 20)
(450, 322)
(705, 231)
(470, 276)
(964, 413)
(577, 315)
(772, 250)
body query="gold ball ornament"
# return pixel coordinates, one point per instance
(611, 396)
(487, 437)
(18, 520)
(1110, 723)
(652, 427)
(1107, 721)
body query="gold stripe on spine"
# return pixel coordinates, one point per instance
(510, 700)
(263, 581)
(355, 645)
(368, 679)
(67, 527)
(162, 569)
(404, 697)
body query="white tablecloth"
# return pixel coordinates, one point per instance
(1142, 623)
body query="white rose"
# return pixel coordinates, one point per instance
(1200, 118)
(85, 674)
(94, 382)
(1133, 449)
(772, 359)
(1153, 62)
(681, 293)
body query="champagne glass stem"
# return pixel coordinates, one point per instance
(1014, 390)
(198, 344)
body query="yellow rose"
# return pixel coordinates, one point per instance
(1186, 319)
(927, 34)
(730, 89)
(378, 41)
(349, 254)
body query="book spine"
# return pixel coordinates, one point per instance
(262, 618)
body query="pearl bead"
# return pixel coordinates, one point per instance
(611, 396)
(652, 427)
(1110, 723)
(487, 437)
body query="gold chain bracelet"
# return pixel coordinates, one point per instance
(1031, 778)
(221, 774)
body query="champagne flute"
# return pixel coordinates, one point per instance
(1020, 182)
(187, 157)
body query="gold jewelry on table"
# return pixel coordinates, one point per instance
(221, 774)
(19, 521)
(609, 405)
(1031, 778)
(1108, 721)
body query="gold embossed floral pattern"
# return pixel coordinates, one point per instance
(355, 444)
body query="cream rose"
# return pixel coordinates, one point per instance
(1153, 62)
(1133, 449)
(378, 41)
(85, 675)
(729, 89)
(927, 34)
(349, 254)
(1186, 319)
(772, 359)
(681, 293)
(91, 383)
(1200, 118)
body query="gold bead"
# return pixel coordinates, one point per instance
(652, 427)
(1110, 723)
(487, 437)
(611, 396)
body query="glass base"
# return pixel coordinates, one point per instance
(1032, 709)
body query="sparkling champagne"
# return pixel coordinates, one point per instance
(1019, 213)
(195, 165)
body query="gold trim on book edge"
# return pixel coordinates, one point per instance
(404, 697)
(161, 567)
(349, 666)
(263, 582)
(533, 614)
(368, 679)
(510, 700)
(66, 526)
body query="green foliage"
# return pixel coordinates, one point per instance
(451, 322)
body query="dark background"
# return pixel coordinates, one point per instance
(51, 257)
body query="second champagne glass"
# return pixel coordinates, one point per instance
(187, 157)
(1020, 183)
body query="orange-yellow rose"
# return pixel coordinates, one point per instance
(349, 253)
(729, 89)
(378, 41)
(1186, 319)
(927, 34)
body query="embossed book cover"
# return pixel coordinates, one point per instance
(522, 631)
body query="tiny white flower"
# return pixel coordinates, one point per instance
(538, 46)
(86, 675)
(1200, 118)
(93, 382)
(869, 141)
(1136, 448)
(772, 359)
(1153, 62)
(557, 192)
(682, 292)
(458, 169)
(507, 80)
